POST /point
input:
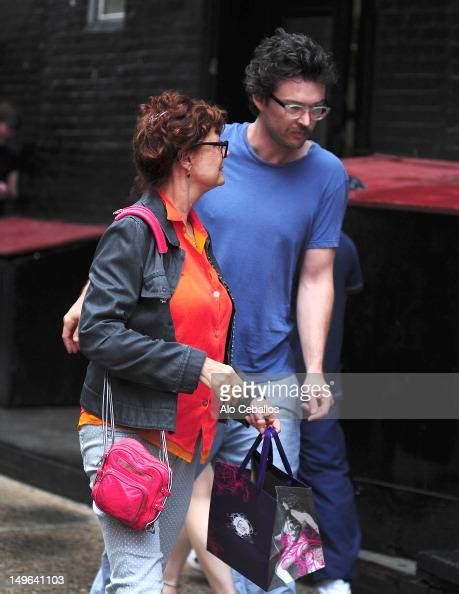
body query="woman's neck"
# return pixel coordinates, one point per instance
(179, 193)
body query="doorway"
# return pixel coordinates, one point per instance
(243, 24)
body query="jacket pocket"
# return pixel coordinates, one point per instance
(156, 286)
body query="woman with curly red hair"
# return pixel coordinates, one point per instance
(158, 324)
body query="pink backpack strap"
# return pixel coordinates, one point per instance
(137, 210)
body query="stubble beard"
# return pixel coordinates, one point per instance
(282, 140)
(306, 133)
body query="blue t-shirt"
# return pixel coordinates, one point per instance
(261, 221)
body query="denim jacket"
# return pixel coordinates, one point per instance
(126, 325)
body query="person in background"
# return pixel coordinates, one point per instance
(9, 167)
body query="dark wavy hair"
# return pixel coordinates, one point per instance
(169, 125)
(283, 56)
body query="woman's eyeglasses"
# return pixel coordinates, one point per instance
(223, 144)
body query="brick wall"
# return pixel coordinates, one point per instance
(415, 73)
(78, 91)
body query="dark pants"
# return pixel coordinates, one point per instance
(324, 466)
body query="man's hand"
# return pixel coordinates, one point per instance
(71, 320)
(320, 398)
(70, 336)
(260, 422)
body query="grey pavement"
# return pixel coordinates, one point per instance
(39, 446)
(53, 539)
(44, 535)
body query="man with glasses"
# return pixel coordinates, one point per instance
(275, 225)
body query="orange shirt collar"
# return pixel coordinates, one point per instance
(173, 214)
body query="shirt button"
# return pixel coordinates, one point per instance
(216, 334)
(205, 402)
(216, 294)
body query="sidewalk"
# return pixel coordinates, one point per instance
(53, 539)
(39, 446)
(45, 535)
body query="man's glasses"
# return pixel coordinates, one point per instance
(223, 144)
(295, 110)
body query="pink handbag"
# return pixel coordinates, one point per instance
(131, 484)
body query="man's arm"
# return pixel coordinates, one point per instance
(314, 307)
(71, 320)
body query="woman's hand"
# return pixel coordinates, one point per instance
(215, 374)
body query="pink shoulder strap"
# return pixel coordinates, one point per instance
(137, 210)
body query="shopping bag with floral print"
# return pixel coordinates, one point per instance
(262, 523)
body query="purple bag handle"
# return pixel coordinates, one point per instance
(250, 453)
(267, 436)
(138, 210)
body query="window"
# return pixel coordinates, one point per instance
(110, 10)
(106, 14)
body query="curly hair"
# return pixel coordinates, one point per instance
(169, 125)
(283, 56)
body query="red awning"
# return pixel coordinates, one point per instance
(22, 235)
(405, 183)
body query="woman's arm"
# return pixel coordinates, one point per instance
(116, 279)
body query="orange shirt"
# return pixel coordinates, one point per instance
(201, 310)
